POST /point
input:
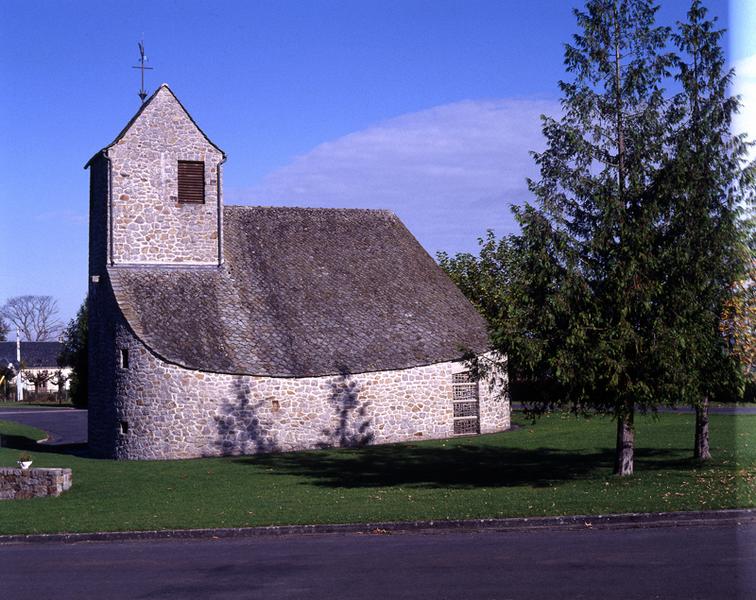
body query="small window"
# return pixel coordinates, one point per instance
(191, 181)
(124, 426)
(124, 358)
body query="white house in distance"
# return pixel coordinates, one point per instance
(37, 358)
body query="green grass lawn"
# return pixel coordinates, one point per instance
(557, 466)
(9, 429)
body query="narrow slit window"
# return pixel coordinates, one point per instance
(124, 358)
(124, 425)
(191, 181)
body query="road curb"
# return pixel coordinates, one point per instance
(575, 522)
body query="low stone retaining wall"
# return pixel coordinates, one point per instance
(18, 484)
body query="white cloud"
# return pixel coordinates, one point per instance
(449, 172)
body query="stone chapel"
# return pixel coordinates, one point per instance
(218, 330)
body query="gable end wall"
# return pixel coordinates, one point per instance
(149, 225)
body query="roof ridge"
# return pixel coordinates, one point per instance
(307, 208)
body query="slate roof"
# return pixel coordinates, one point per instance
(302, 292)
(33, 354)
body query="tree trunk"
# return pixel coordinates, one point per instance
(623, 461)
(701, 449)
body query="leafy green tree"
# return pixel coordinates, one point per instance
(484, 279)
(486, 282)
(588, 294)
(74, 354)
(493, 282)
(738, 326)
(701, 246)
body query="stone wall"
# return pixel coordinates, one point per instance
(19, 484)
(149, 225)
(163, 411)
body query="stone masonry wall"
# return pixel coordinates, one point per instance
(162, 411)
(149, 225)
(18, 484)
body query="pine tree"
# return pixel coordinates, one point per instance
(703, 185)
(589, 295)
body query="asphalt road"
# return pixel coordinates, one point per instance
(64, 426)
(712, 562)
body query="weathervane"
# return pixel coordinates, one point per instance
(142, 60)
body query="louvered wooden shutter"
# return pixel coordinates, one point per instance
(191, 181)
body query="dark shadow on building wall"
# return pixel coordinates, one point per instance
(354, 427)
(238, 425)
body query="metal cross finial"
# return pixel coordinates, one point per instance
(142, 60)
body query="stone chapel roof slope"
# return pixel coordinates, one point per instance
(303, 292)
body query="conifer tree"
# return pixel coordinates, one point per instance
(589, 294)
(611, 299)
(702, 245)
(74, 353)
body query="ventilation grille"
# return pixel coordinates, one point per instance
(466, 409)
(462, 426)
(463, 377)
(191, 181)
(467, 391)
(466, 404)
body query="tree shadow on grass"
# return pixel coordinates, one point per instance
(459, 466)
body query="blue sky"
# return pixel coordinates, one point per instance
(428, 108)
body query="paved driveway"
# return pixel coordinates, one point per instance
(706, 562)
(64, 426)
